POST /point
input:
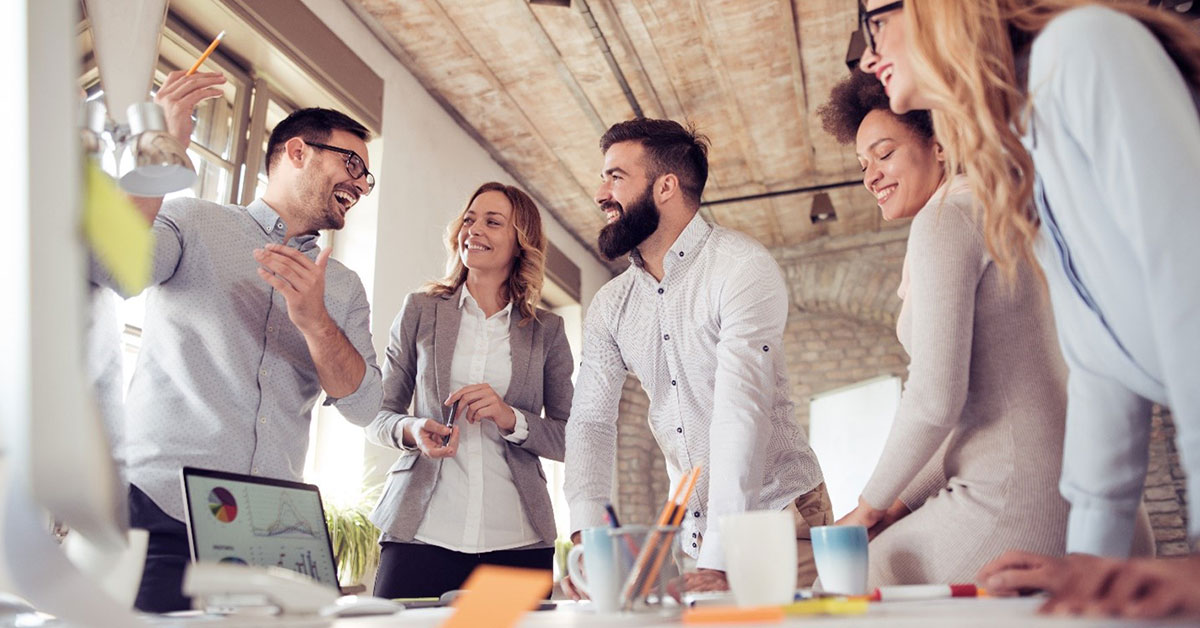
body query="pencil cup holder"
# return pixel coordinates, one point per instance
(647, 556)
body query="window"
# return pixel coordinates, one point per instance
(847, 430)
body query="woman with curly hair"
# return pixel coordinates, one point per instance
(1076, 122)
(473, 347)
(975, 448)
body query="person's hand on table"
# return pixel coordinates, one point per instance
(698, 581)
(1018, 573)
(1144, 588)
(897, 511)
(567, 585)
(571, 590)
(863, 515)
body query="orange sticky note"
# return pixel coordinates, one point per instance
(498, 596)
(733, 615)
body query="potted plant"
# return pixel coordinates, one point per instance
(354, 538)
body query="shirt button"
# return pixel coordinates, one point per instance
(262, 419)
(672, 382)
(696, 514)
(765, 348)
(271, 329)
(681, 254)
(660, 290)
(263, 372)
(679, 430)
(693, 545)
(279, 226)
(666, 336)
(254, 471)
(694, 535)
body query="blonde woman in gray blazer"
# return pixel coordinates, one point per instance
(474, 493)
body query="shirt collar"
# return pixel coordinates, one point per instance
(464, 294)
(685, 247)
(269, 221)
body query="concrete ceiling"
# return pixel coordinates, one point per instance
(537, 85)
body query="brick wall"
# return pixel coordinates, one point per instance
(640, 487)
(1165, 496)
(841, 330)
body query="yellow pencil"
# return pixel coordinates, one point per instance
(204, 55)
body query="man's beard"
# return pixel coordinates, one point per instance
(634, 224)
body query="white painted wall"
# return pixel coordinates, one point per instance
(426, 166)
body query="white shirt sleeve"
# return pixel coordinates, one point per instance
(753, 313)
(592, 431)
(520, 428)
(1127, 105)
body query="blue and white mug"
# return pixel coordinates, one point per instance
(601, 574)
(841, 556)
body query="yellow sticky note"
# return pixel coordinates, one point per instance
(498, 596)
(827, 606)
(117, 234)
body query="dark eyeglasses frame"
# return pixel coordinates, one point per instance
(353, 162)
(865, 17)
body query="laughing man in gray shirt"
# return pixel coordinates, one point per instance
(247, 321)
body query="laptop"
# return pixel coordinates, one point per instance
(250, 520)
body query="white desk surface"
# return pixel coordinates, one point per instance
(932, 614)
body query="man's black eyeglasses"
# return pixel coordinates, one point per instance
(870, 26)
(354, 164)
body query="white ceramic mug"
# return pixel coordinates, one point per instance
(760, 556)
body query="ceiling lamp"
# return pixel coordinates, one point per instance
(822, 209)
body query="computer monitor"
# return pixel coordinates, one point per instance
(250, 520)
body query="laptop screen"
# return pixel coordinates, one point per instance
(244, 519)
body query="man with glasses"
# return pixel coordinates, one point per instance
(247, 322)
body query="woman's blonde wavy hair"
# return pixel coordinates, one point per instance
(963, 54)
(524, 286)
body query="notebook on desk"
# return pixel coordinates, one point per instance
(244, 519)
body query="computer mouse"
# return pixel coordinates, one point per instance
(355, 605)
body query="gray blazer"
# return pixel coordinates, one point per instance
(416, 380)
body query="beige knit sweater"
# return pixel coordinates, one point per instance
(976, 446)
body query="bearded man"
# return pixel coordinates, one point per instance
(698, 317)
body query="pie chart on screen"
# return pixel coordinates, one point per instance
(222, 504)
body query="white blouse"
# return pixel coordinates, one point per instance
(475, 506)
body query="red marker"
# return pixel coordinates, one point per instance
(924, 592)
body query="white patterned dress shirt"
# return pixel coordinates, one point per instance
(707, 344)
(475, 506)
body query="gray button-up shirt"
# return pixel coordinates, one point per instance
(224, 380)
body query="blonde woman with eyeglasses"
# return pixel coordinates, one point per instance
(1076, 124)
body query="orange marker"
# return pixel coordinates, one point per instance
(207, 51)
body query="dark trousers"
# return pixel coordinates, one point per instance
(167, 556)
(415, 570)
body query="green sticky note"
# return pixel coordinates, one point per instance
(116, 232)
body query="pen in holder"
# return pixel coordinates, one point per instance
(644, 576)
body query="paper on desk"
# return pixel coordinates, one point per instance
(115, 231)
(498, 596)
